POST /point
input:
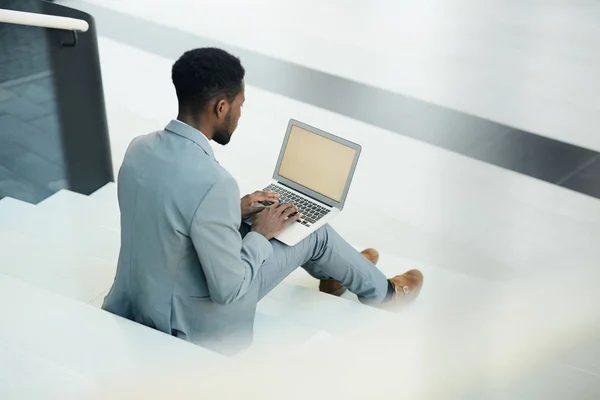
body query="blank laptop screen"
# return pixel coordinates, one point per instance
(317, 163)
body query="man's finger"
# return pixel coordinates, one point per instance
(293, 218)
(283, 207)
(258, 197)
(270, 196)
(293, 209)
(256, 209)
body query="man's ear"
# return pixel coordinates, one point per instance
(221, 108)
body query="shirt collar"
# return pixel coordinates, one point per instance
(193, 134)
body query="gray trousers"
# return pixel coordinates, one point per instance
(324, 255)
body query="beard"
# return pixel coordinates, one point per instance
(222, 135)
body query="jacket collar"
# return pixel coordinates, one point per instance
(182, 129)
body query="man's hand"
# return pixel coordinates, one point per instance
(249, 208)
(273, 219)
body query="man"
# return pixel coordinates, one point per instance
(188, 266)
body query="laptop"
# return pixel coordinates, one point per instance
(314, 172)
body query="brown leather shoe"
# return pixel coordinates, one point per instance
(406, 289)
(371, 255)
(331, 286)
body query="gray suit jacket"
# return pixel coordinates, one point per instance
(184, 267)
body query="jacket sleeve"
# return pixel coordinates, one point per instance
(230, 264)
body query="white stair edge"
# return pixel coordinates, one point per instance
(106, 192)
(76, 206)
(97, 345)
(76, 234)
(39, 263)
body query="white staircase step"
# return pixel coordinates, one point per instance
(94, 210)
(290, 305)
(28, 376)
(301, 324)
(270, 329)
(317, 311)
(41, 264)
(107, 194)
(276, 326)
(99, 347)
(98, 300)
(67, 234)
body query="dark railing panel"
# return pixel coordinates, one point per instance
(53, 129)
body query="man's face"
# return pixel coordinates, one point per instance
(223, 132)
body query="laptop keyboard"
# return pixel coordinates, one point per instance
(311, 211)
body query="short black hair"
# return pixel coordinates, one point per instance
(204, 74)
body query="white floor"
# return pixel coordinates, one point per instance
(531, 64)
(509, 307)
